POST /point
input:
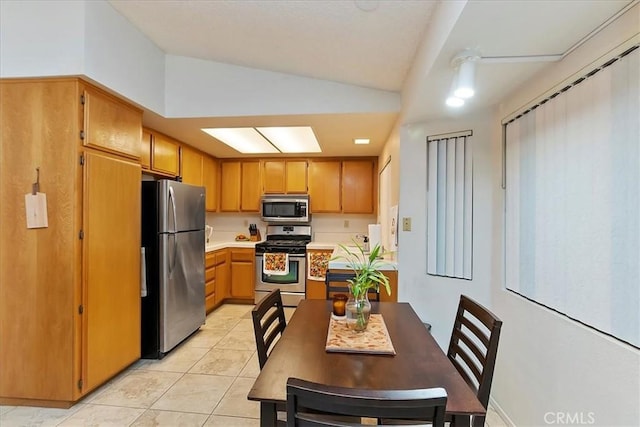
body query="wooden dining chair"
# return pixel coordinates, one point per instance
(313, 404)
(473, 348)
(269, 323)
(336, 282)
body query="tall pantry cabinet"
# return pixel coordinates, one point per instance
(69, 293)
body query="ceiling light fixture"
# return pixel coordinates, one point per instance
(463, 81)
(453, 100)
(244, 140)
(361, 141)
(290, 139)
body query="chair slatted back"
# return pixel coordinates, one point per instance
(313, 404)
(268, 323)
(474, 346)
(335, 282)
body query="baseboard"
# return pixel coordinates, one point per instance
(498, 409)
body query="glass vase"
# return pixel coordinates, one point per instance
(358, 311)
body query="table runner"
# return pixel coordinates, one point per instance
(374, 340)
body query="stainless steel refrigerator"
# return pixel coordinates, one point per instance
(173, 220)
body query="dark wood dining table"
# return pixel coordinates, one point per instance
(418, 363)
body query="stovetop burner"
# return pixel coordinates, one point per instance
(288, 239)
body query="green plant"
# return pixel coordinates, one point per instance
(365, 267)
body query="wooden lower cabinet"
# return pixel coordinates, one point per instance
(216, 278)
(223, 271)
(316, 289)
(209, 281)
(70, 292)
(242, 273)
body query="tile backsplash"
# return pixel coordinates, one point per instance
(329, 228)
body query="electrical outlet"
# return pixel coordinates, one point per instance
(246, 222)
(406, 224)
(346, 223)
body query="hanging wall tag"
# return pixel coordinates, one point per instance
(36, 205)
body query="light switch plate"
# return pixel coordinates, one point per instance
(406, 224)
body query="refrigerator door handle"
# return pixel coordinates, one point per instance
(172, 263)
(173, 208)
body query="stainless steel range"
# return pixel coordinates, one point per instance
(286, 239)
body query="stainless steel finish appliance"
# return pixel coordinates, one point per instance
(173, 220)
(292, 240)
(285, 208)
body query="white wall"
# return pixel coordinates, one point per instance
(120, 57)
(548, 364)
(41, 38)
(435, 299)
(200, 88)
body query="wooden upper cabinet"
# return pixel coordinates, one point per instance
(274, 176)
(145, 150)
(230, 177)
(191, 170)
(358, 186)
(296, 176)
(210, 176)
(111, 125)
(324, 186)
(165, 155)
(240, 186)
(284, 176)
(250, 189)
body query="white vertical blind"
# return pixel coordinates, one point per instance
(449, 210)
(573, 201)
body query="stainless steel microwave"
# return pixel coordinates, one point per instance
(283, 208)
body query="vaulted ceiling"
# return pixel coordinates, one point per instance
(368, 43)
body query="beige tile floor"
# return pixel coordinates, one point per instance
(203, 382)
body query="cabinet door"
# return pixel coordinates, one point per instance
(296, 176)
(145, 150)
(357, 186)
(324, 186)
(230, 186)
(273, 176)
(111, 125)
(242, 279)
(191, 170)
(242, 273)
(111, 267)
(223, 284)
(251, 189)
(165, 156)
(210, 178)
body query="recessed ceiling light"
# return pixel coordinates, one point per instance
(455, 102)
(244, 140)
(290, 139)
(361, 141)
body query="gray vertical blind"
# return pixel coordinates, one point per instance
(450, 205)
(573, 200)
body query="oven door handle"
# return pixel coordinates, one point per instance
(290, 255)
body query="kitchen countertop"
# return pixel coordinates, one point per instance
(388, 261)
(215, 245)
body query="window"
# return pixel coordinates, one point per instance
(450, 205)
(573, 200)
